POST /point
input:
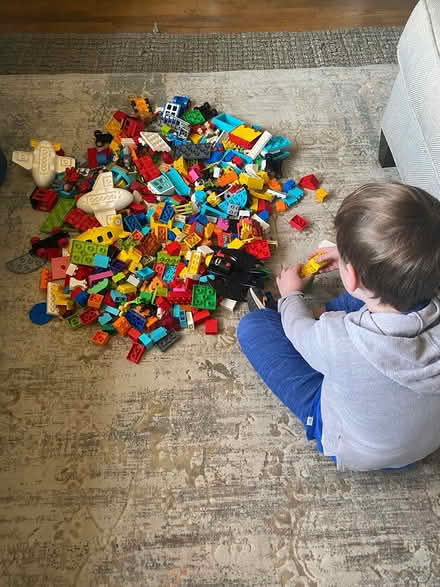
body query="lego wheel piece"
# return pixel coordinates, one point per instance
(27, 263)
(38, 314)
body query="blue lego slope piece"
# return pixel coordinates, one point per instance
(210, 211)
(226, 122)
(239, 198)
(230, 153)
(176, 179)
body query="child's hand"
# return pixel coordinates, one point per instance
(330, 254)
(289, 280)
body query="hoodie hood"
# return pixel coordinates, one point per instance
(404, 347)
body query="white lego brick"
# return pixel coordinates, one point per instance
(205, 250)
(216, 172)
(264, 225)
(77, 283)
(133, 280)
(190, 320)
(71, 269)
(228, 304)
(259, 145)
(51, 307)
(249, 169)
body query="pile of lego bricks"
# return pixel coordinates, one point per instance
(186, 231)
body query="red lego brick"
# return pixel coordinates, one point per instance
(108, 300)
(173, 248)
(298, 222)
(147, 168)
(168, 322)
(200, 315)
(71, 175)
(240, 142)
(134, 334)
(80, 220)
(90, 316)
(83, 272)
(238, 161)
(259, 249)
(179, 297)
(310, 182)
(211, 326)
(163, 304)
(43, 199)
(137, 207)
(167, 158)
(136, 352)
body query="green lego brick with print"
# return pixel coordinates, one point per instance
(74, 321)
(55, 218)
(204, 297)
(83, 252)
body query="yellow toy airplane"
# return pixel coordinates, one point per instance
(105, 235)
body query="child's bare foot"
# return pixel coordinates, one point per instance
(317, 311)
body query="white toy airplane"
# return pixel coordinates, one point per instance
(104, 199)
(43, 161)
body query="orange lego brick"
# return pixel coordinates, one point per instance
(227, 178)
(280, 206)
(122, 325)
(151, 323)
(274, 184)
(101, 338)
(95, 300)
(45, 277)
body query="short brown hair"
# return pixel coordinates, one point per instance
(390, 233)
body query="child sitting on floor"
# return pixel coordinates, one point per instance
(364, 379)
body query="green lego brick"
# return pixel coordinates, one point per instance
(163, 257)
(145, 297)
(193, 117)
(74, 322)
(109, 328)
(83, 252)
(205, 297)
(126, 244)
(56, 217)
(161, 291)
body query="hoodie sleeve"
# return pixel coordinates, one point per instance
(305, 333)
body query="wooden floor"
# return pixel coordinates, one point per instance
(194, 16)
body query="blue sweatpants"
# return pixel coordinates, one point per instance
(282, 368)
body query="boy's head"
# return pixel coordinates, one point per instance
(390, 235)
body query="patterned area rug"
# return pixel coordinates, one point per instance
(167, 52)
(185, 469)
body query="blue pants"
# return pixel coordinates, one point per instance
(282, 368)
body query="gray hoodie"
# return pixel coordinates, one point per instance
(380, 399)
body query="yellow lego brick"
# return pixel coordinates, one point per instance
(208, 259)
(246, 231)
(253, 183)
(113, 127)
(127, 288)
(180, 165)
(229, 145)
(135, 266)
(235, 244)
(192, 240)
(261, 195)
(264, 175)
(321, 195)
(194, 263)
(312, 267)
(209, 229)
(184, 248)
(115, 145)
(214, 199)
(246, 133)
(195, 138)
(254, 205)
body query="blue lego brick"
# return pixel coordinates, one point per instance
(145, 230)
(239, 198)
(176, 311)
(141, 216)
(216, 156)
(231, 153)
(136, 320)
(182, 189)
(169, 273)
(101, 261)
(117, 266)
(166, 214)
(146, 340)
(182, 319)
(82, 298)
(131, 223)
(277, 144)
(105, 318)
(226, 122)
(293, 196)
(111, 310)
(158, 334)
(289, 185)
(118, 297)
(150, 214)
(210, 211)
(264, 215)
(179, 224)
(119, 174)
(171, 235)
(202, 219)
(144, 273)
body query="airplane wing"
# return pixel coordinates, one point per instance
(104, 182)
(23, 158)
(62, 163)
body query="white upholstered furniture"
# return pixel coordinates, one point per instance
(411, 122)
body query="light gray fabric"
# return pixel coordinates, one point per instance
(411, 121)
(380, 398)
